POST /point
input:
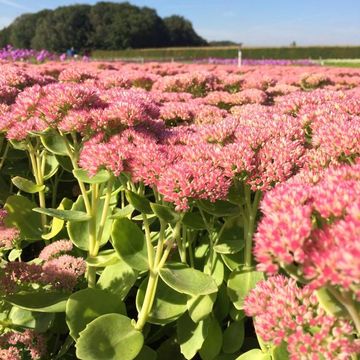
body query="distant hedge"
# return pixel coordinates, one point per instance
(313, 52)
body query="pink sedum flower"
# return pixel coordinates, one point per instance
(55, 249)
(283, 312)
(16, 344)
(63, 272)
(8, 235)
(314, 227)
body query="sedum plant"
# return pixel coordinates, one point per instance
(148, 211)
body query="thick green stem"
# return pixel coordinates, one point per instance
(73, 157)
(104, 211)
(93, 247)
(148, 300)
(249, 212)
(169, 246)
(35, 160)
(3, 158)
(91, 270)
(155, 265)
(160, 245)
(150, 249)
(347, 301)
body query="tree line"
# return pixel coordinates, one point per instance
(103, 26)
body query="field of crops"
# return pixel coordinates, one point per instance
(172, 211)
(313, 52)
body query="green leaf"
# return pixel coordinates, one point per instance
(14, 254)
(215, 268)
(280, 352)
(168, 304)
(4, 189)
(66, 215)
(20, 215)
(233, 261)
(79, 231)
(187, 280)
(18, 145)
(118, 279)
(236, 314)
(41, 301)
(100, 177)
(140, 203)
(58, 224)
(191, 335)
(222, 304)
(51, 166)
(232, 238)
(125, 212)
(236, 193)
(86, 305)
(219, 208)
(110, 337)
(31, 319)
(329, 303)
(199, 307)
(233, 337)
(129, 242)
(254, 354)
(194, 220)
(165, 213)
(65, 163)
(103, 258)
(146, 353)
(213, 341)
(169, 349)
(27, 185)
(240, 282)
(54, 143)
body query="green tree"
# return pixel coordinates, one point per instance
(63, 28)
(181, 32)
(106, 25)
(5, 36)
(23, 29)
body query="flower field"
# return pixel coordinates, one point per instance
(179, 211)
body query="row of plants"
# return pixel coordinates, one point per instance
(312, 52)
(133, 228)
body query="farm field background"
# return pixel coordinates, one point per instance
(188, 53)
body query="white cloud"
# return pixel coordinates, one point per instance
(14, 4)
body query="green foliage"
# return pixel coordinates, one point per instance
(66, 215)
(110, 337)
(129, 242)
(20, 214)
(254, 354)
(233, 337)
(31, 319)
(187, 280)
(181, 32)
(168, 306)
(240, 282)
(117, 279)
(27, 185)
(212, 345)
(104, 25)
(41, 301)
(231, 52)
(191, 335)
(86, 305)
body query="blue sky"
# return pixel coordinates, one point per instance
(254, 23)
